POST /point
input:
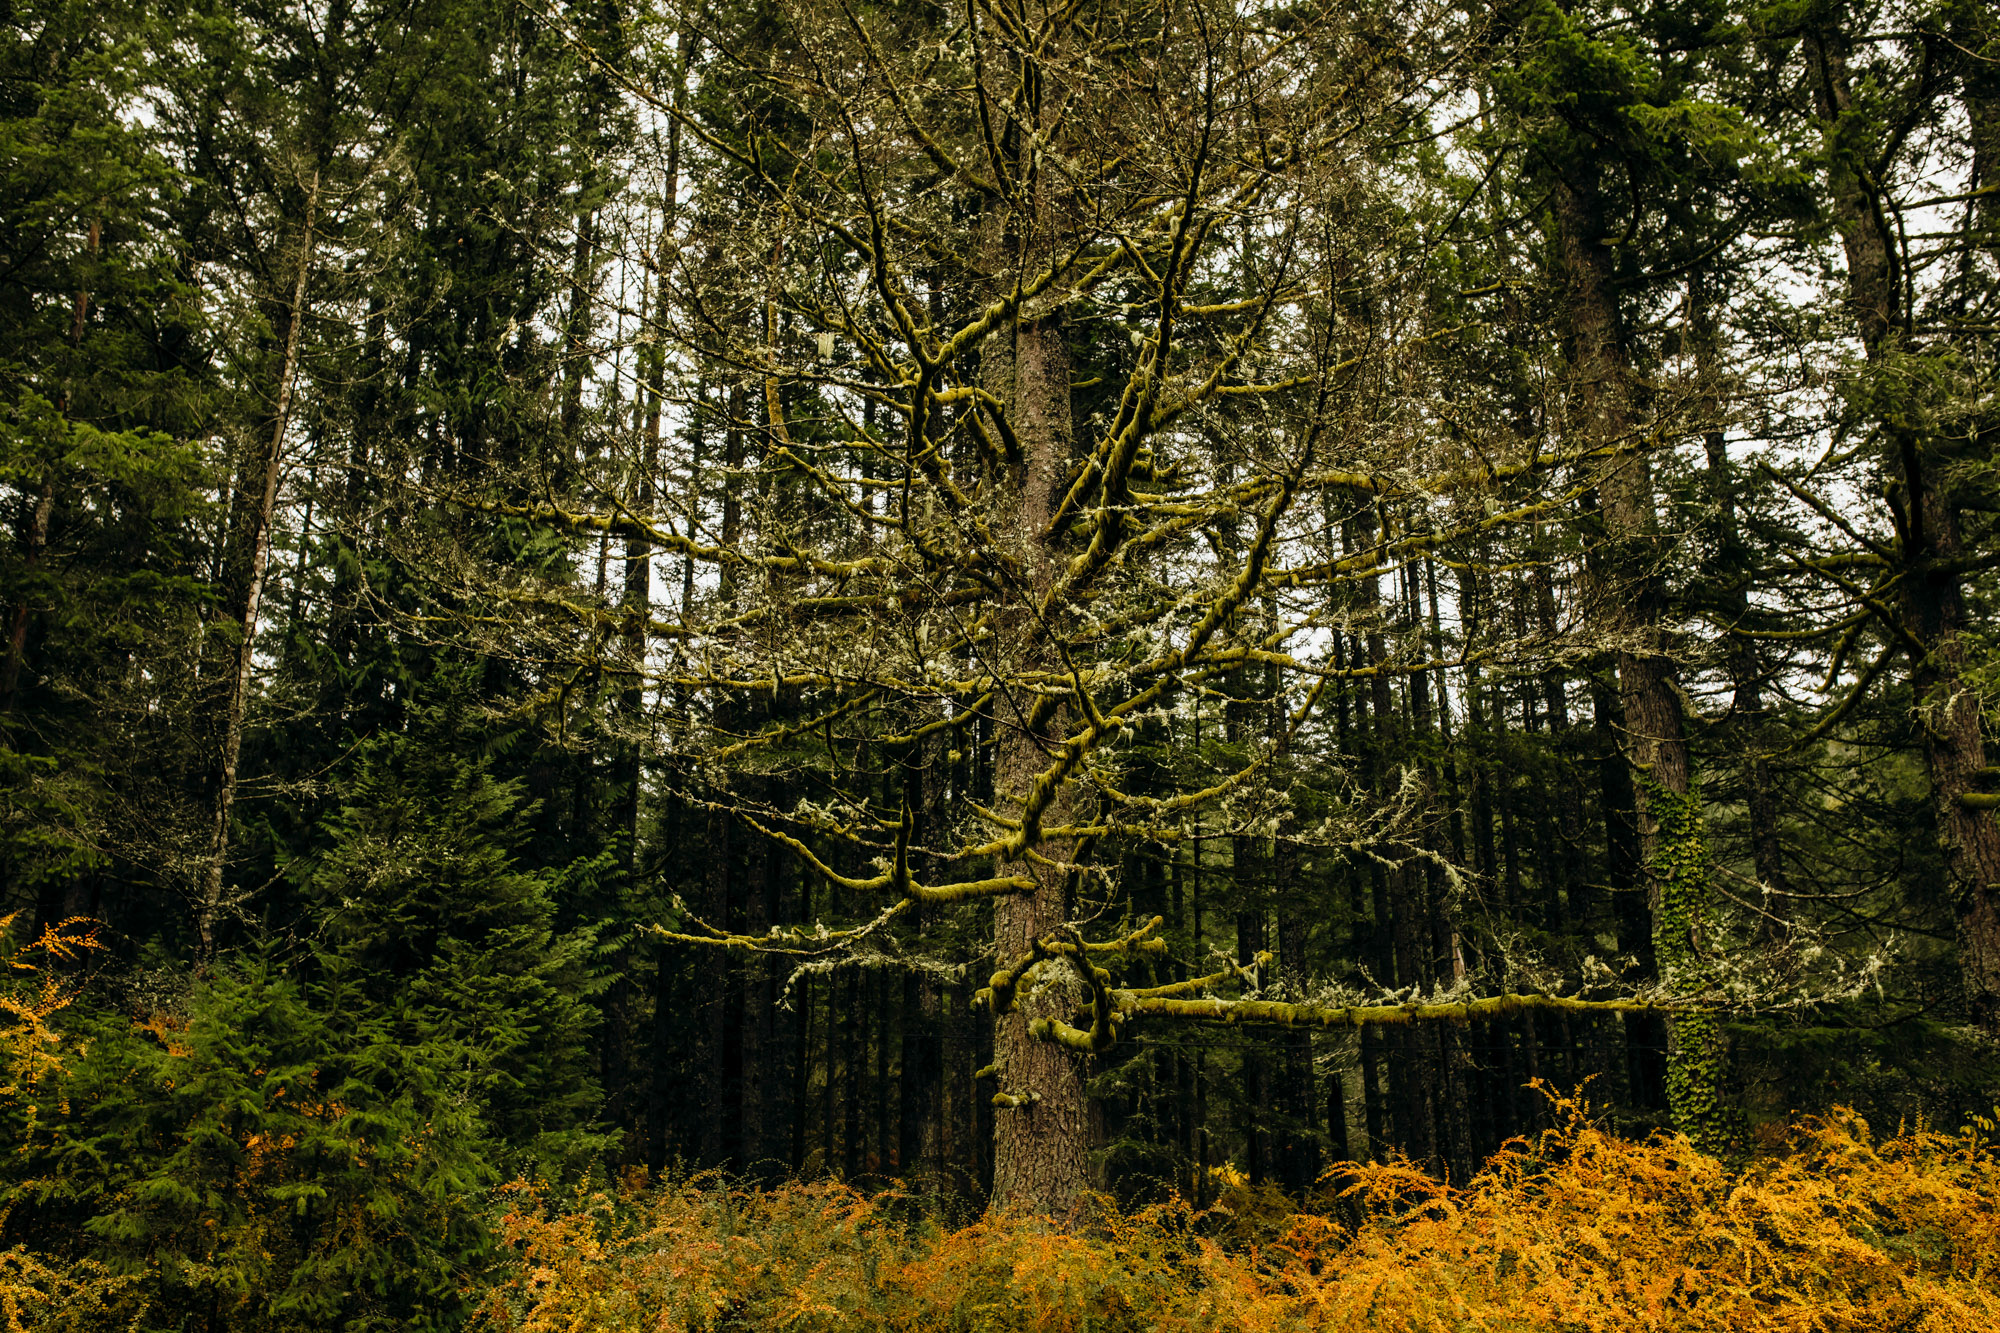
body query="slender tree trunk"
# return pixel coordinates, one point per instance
(1577, 904)
(853, 1073)
(36, 541)
(1256, 1082)
(1338, 1139)
(264, 473)
(1399, 905)
(735, 1134)
(878, 1086)
(1371, 1093)
(759, 1090)
(1298, 1158)
(35, 538)
(670, 1027)
(920, 1145)
(802, 1053)
(829, 1123)
(1183, 1063)
(1200, 1138)
(576, 334)
(1748, 730)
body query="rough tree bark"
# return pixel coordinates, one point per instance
(1041, 1133)
(1672, 836)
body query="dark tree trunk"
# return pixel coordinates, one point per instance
(1672, 836)
(1931, 600)
(1298, 1158)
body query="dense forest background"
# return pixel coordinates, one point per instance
(646, 586)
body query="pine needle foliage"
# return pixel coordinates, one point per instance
(306, 1138)
(1577, 1229)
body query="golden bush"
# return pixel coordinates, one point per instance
(1576, 1230)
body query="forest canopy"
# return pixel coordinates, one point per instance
(1039, 606)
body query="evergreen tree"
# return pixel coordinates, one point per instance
(308, 1137)
(423, 920)
(101, 393)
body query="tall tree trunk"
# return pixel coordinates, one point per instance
(1371, 1094)
(920, 1141)
(853, 1072)
(801, 1057)
(1299, 1156)
(731, 1110)
(35, 534)
(829, 1122)
(664, 1124)
(1645, 1034)
(263, 473)
(762, 1095)
(1250, 928)
(1250, 878)
(35, 540)
(1577, 904)
(1672, 835)
(1338, 1139)
(1040, 1144)
(1931, 600)
(1747, 724)
(1400, 914)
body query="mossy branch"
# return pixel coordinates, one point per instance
(1278, 1013)
(897, 877)
(1103, 1033)
(1003, 987)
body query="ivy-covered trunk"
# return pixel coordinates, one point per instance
(1672, 836)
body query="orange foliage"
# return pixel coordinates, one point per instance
(1583, 1230)
(32, 992)
(1578, 1230)
(35, 1291)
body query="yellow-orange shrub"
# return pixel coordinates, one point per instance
(1578, 1230)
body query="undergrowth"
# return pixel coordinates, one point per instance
(1575, 1230)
